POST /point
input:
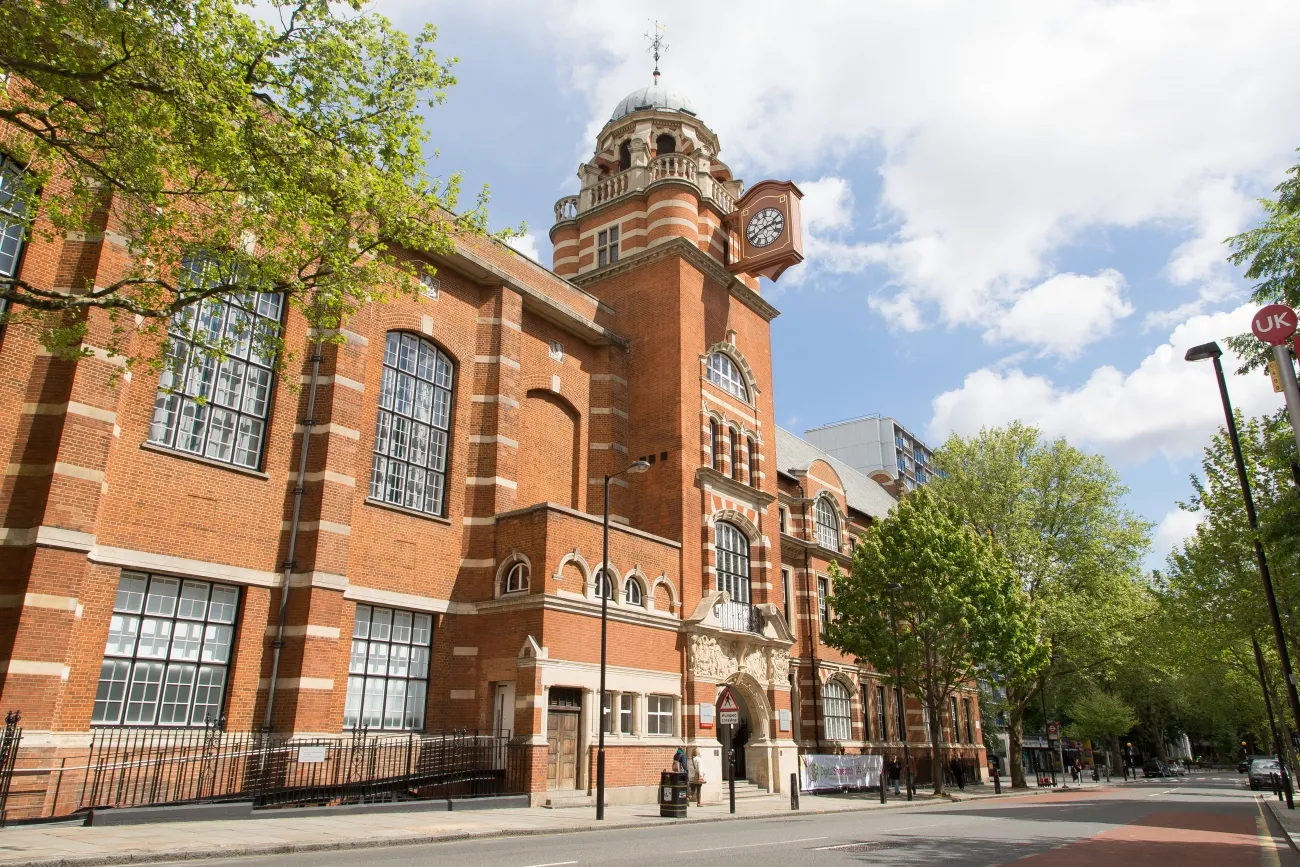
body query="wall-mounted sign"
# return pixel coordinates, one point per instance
(311, 755)
(706, 715)
(783, 720)
(728, 710)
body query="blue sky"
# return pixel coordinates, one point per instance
(1012, 210)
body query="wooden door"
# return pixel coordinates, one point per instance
(562, 749)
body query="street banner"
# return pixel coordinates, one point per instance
(823, 773)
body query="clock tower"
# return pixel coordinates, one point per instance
(673, 246)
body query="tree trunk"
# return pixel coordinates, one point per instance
(936, 759)
(1015, 745)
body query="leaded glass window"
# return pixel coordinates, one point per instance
(835, 702)
(167, 658)
(13, 220)
(214, 393)
(828, 525)
(388, 669)
(732, 549)
(413, 427)
(722, 372)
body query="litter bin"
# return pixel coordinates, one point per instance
(672, 795)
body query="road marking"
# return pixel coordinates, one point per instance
(742, 846)
(1266, 841)
(552, 864)
(1165, 792)
(841, 846)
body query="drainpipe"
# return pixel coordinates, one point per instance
(813, 633)
(278, 644)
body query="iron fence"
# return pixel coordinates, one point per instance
(9, 742)
(132, 767)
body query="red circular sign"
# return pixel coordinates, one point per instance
(1274, 324)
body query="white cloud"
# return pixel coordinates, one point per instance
(1065, 313)
(1164, 405)
(526, 244)
(1004, 131)
(827, 210)
(1176, 526)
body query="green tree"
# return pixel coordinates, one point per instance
(1075, 550)
(1099, 716)
(286, 149)
(958, 609)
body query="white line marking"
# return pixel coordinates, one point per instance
(551, 864)
(743, 846)
(841, 846)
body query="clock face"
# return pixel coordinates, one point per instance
(765, 227)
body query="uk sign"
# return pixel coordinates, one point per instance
(1274, 324)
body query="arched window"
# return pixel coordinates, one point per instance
(665, 144)
(835, 711)
(414, 425)
(13, 219)
(732, 548)
(723, 373)
(633, 594)
(828, 525)
(625, 155)
(604, 586)
(751, 454)
(211, 406)
(715, 445)
(733, 436)
(516, 578)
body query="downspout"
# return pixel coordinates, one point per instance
(276, 646)
(814, 632)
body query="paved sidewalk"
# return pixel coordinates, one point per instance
(73, 844)
(1288, 819)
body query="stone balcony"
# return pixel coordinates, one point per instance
(675, 168)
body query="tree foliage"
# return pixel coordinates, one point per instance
(1099, 716)
(1074, 548)
(959, 607)
(286, 148)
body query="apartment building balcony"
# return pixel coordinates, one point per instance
(601, 190)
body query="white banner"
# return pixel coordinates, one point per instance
(840, 772)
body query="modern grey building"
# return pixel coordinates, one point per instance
(878, 447)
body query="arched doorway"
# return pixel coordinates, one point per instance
(752, 736)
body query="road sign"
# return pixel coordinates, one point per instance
(728, 710)
(1053, 730)
(1274, 324)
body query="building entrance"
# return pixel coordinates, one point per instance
(735, 737)
(562, 711)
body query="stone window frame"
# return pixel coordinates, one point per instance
(882, 714)
(655, 715)
(607, 246)
(726, 373)
(515, 576)
(828, 526)
(633, 579)
(835, 725)
(14, 221)
(734, 437)
(363, 669)
(823, 603)
(736, 558)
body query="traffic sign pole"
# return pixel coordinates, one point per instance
(1286, 373)
(1276, 325)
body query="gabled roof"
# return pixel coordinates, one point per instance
(864, 494)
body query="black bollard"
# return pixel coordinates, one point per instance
(882, 785)
(731, 777)
(794, 791)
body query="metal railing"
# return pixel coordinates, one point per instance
(739, 617)
(9, 743)
(133, 767)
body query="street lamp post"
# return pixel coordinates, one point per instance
(1214, 353)
(606, 582)
(898, 679)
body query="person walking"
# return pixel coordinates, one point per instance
(895, 771)
(679, 761)
(958, 773)
(696, 778)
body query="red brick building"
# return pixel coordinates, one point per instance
(446, 535)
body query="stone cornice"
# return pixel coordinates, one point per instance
(702, 262)
(736, 490)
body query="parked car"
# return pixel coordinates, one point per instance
(1155, 768)
(1177, 768)
(1243, 766)
(1261, 773)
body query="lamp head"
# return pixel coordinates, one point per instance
(1204, 351)
(638, 467)
(893, 588)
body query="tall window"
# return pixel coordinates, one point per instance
(168, 652)
(625, 155)
(632, 592)
(733, 437)
(715, 445)
(828, 524)
(783, 519)
(607, 246)
(900, 715)
(835, 702)
(751, 455)
(607, 713)
(13, 220)
(969, 723)
(787, 596)
(823, 613)
(413, 426)
(604, 585)
(625, 713)
(206, 405)
(388, 670)
(659, 714)
(722, 372)
(925, 717)
(733, 561)
(952, 712)
(665, 144)
(882, 720)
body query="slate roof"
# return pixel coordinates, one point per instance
(864, 494)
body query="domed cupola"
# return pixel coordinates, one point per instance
(655, 97)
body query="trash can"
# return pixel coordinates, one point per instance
(672, 795)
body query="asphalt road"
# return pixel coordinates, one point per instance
(1199, 821)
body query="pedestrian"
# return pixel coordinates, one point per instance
(679, 761)
(958, 773)
(895, 771)
(1074, 770)
(696, 778)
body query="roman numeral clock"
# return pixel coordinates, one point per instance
(766, 231)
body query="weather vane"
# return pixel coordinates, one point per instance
(657, 45)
